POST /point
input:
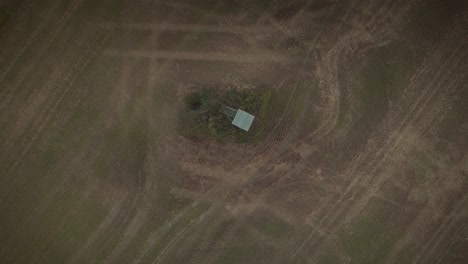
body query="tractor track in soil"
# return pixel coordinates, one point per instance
(346, 195)
(62, 22)
(282, 134)
(411, 110)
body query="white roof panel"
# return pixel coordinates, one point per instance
(243, 120)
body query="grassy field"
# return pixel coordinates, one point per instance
(253, 8)
(7, 10)
(378, 86)
(370, 237)
(114, 149)
(368, 240)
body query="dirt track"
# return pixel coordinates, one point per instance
(95, 171)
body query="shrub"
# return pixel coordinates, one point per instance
(202, 117)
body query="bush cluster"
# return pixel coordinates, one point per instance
(201, 116)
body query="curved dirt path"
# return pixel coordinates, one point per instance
(409, 111)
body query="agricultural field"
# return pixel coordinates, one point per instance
(112, 149)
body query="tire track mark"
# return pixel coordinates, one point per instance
(120, 215)
(30, 41)
(47, 198)
(80, 66)
(158, 27)
(9, 91)
(413, 113)
(450, 225)
(241, 58)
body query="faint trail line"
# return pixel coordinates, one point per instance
(331, 64)
(409, 113)
(409, 110)
(118, 215)
(134, 226)
(68, 81)
(245, 58)
(97, 232)
(283, 125)
(419, 226)
(188, 28)
(445, 227)
(410, 106)
(391, 145)
(43, 49)
(29, 42)
(166, 228)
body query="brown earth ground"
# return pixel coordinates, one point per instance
(365, 161)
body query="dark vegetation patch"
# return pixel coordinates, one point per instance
(432, 20)
(318, 5)
(452, 126)
(102, 9)
(407, 254)
(367, 241)
(40, 231)
(306, 97)
(251, 7)
(7, 9)
(329, 256)
(291, 42)
(370, 237)
(270, 225)
(75, 226)
(247, 253)
(378, 85)
(381, 83)
(161, 247)
(329, 17)
(345, 100)
(199, 41)
(289, 10)
(201, 116)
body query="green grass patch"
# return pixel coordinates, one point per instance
(345, 114)
(408, 254)
(248, 253)
(271, 226)
(278, 103)
(370, 237)
(254, 8)
(330, 257)
(431, 20)
(202, 117)
(103, 10)
(192, 214)
(379, 85)
(381, 81)
(57, 231)
(456, 117)
(220, 230)
(76, 228)
(7, 9)
(367, 241)
(304, 98)
(420, 168)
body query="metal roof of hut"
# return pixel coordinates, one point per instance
(241, 119)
